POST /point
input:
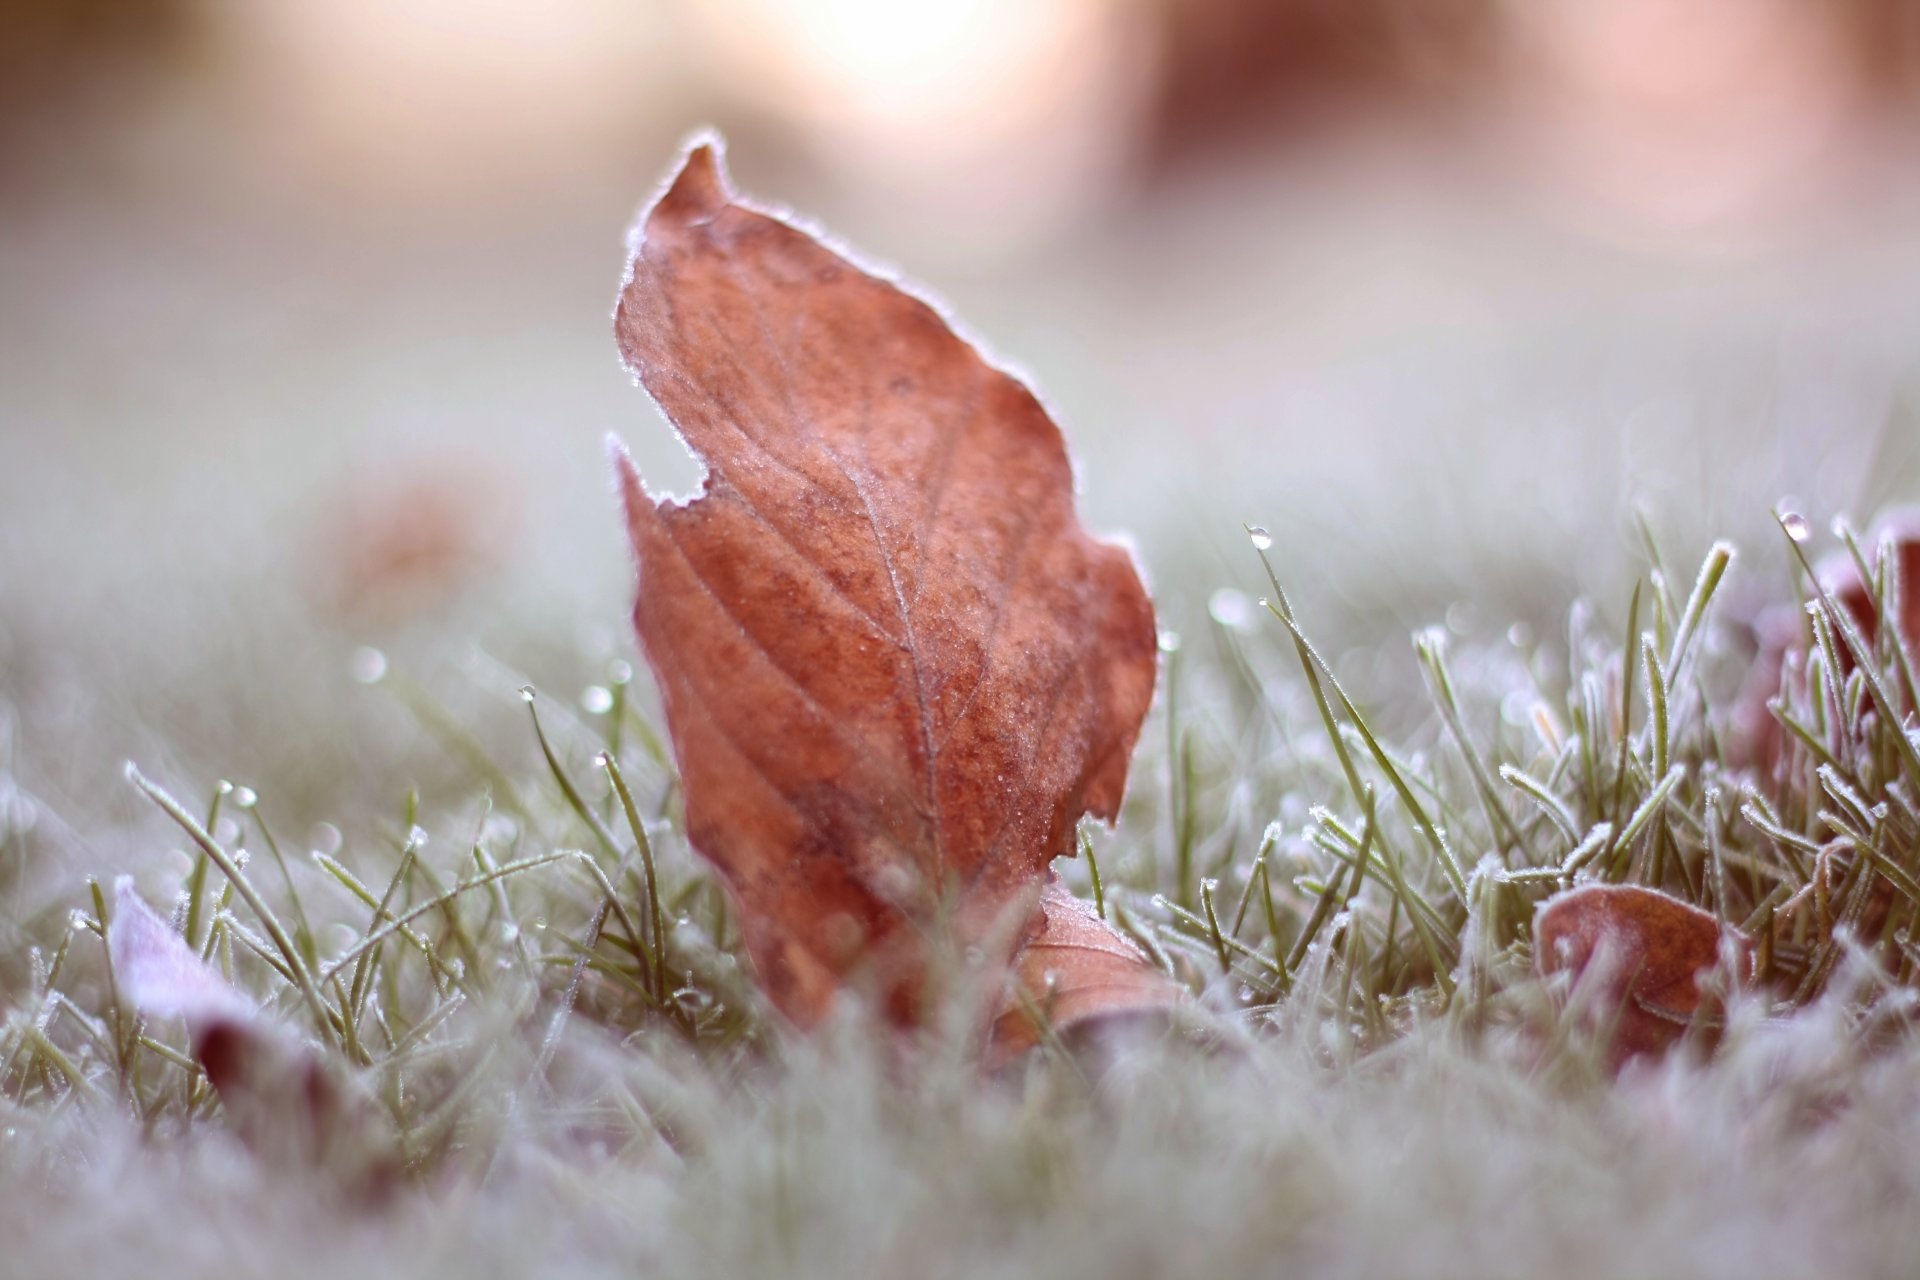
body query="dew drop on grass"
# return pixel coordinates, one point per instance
(417, 838)
(1169, 642)
(245, 797)
(367, 665)
(597, 699)
(1796, 526)
(619, 671)
(1261, 539)
(526, 693)
(325, 838)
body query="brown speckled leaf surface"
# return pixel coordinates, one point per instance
(1075, 971)
(896, 670)
(1654, 948)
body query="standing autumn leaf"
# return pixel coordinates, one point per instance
(1645, 950)
(895, 668)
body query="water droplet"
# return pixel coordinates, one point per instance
(1246, 994)
(509, 931)
(367, 665)
(619, 671)
(1160, 901)
(1261, 539)
(603, 759)
(1210, 885)
(77, 919)
(1840, 528)
(526, 693)
(224, 787)
(1231, 609)
(1796, 526)
(226, 830)
(417, 838)
(245, 797)
(1519, 635)
(1169, 642)
(597, 699)
(325, 838)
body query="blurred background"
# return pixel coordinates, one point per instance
(305, 355)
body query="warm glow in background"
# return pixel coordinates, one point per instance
(304, 306)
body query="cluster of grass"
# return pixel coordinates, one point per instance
(1411, 889)
(1320, 879)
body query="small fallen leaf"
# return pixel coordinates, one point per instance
(1780, 633)
(278, 1094)
(160, 975)
(896, 670)
(393, 544)
(1644, 950)
(1840, 576)
(1075, 976)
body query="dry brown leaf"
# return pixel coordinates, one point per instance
(1840, 576)
(1644, 949)
(1780, 632)
(278, 1093)
(895, 668)
(1075, 974)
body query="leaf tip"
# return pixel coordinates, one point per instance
(701, 188)
(626, 478)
